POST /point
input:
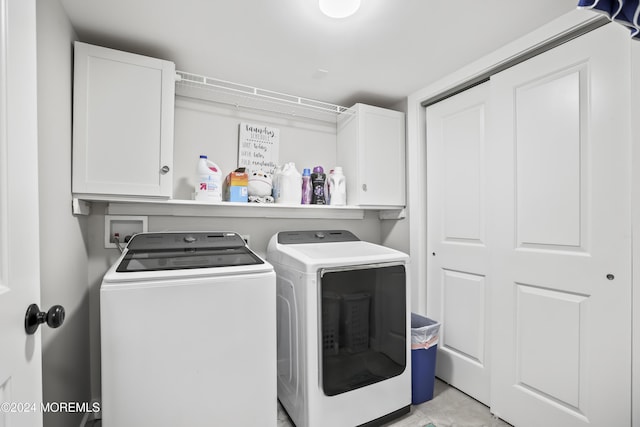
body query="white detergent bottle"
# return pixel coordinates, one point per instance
(209, 181)
(338, 185)
(289, 185)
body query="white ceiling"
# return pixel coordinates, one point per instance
(388, 50)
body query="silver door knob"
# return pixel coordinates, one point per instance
(165, 169)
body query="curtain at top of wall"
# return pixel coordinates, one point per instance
(624, 12)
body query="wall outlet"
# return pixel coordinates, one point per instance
(124, 226)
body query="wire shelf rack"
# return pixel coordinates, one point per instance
(243, 96)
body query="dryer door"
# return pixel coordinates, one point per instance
(363, 327)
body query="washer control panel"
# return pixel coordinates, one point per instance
(185, 240)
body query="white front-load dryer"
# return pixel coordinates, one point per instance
(188, 333)
(343, 329)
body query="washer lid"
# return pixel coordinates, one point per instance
(180, 251)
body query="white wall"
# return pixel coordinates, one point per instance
(205, 128)
(635, 225)
(395, 233)
(63, 252)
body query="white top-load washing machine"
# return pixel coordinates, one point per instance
(188, 333)
(343, 329)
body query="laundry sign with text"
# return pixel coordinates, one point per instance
(258, 147)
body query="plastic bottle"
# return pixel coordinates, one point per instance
(338, 185)
(327, 188)
(318, 179)
(275, 182)
(289, 185)
(209, 181)
(306, 186)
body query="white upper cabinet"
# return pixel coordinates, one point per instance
(371, 151)
(123, 115)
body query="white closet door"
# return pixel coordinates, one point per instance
(457, 267)
(20, 354)
(558, 172)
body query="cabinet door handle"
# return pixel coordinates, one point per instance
(364, 187)
(165, 169)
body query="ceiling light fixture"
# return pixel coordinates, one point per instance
(339, 8)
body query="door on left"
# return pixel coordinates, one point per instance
(20, 353)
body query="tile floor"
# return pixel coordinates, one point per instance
(448, 408)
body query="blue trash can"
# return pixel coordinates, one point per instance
(424, 347)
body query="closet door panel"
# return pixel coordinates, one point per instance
(549, 164)
(560, 229)
(458, 285)
(465, 322)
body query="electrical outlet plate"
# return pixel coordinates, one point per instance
(124, 225)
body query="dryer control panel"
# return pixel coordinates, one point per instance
(315, 236)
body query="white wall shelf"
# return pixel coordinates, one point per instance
(172, 207)
(243, 96)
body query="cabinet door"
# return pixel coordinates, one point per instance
(371, 150)
(123, 123)
(382, 160)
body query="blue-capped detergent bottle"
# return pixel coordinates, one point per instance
(306, 186)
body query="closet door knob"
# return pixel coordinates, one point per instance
(165, 169)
